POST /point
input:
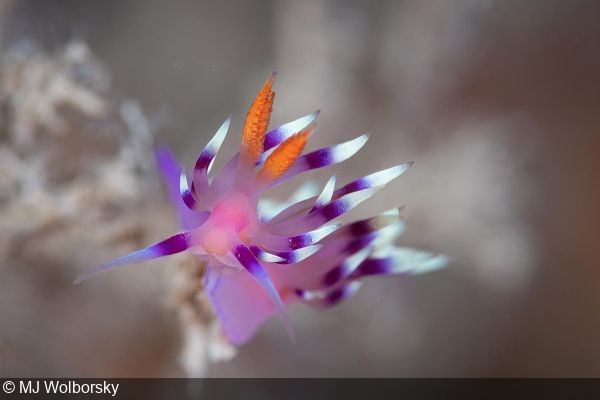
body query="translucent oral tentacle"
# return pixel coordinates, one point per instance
(207, 156)
(187, 195)
(280, 134)
(174, 244)
(369, 225)
(324, 157)
(347, 267)
(379, 178)
(265, 256)
(320, 300)
(252, 265)
(170, 170)
(206, 159)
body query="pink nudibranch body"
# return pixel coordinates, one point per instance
(232, 220)
(261, 260)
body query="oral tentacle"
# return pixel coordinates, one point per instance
(346, 268)
(369, 225)
(324, 157)
(285, 257)
(206, 159)
(288, 243)
(174, 244)
(170, 170)
(187, 195)
(379, 178)
(322, 215)
(401, 261)
(322, 300)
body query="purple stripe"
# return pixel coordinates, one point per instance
(378, 178)
(324, 157)
(374, 180)
(318, 158)
(204, 160)
(325, 214)
(344, 204)
(300, 241)
(328, 299)
(280, 134)
(284, 257)
(174, 244)
(360, 243)
(186, 194)
(213, 146)
(360, 228)
(334, 210)
(248, 261)
(336, 296)
(353, 186)
(334, 276)
(292, 257)
(347, 267)
(373, 266)
(370, 225)
(283, 243)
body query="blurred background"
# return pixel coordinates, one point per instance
(497, 102)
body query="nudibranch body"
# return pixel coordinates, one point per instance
(260, 261)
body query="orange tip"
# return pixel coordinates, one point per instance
(257, 121)
(282, 158)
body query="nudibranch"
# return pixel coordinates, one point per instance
(260, 260)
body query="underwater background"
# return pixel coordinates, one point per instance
(495, 102)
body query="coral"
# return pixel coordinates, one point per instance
(73, 156)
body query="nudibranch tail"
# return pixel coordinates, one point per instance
(261, 260)
(252, 265)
